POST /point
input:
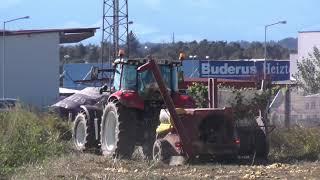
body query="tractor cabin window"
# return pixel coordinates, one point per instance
(129, 77)
(116, 79)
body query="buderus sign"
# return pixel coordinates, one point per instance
(228, 69)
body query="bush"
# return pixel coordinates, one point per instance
(245, 102)
(199, 93)
(27, 137)
(295, 144)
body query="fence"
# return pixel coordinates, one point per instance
(245, 112)
(303, 110)
(293, 110)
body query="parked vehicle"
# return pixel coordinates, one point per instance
(7, 104)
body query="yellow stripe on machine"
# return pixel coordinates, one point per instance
(164, 127)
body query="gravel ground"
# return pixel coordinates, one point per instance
(90, 166)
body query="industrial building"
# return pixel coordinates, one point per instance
(29, 63)
(307, 40)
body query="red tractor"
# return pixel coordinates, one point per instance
(130, 116)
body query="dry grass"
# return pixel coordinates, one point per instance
(90, 166)
(295, 144)
(31, 147)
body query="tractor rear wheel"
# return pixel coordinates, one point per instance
(83, 132)
(118, 131)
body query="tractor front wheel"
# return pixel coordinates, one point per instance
(83, 132)
(118, 131)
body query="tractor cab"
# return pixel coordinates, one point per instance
(127, 78)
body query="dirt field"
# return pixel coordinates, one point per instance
(90, 166)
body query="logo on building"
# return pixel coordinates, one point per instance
(244, 70)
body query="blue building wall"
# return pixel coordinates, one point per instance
(194, 69)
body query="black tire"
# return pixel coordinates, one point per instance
(162, 151)
(147, 146)
(150, 135)
(261, 145)
(83, 133)
(229, 158)
(118, 131)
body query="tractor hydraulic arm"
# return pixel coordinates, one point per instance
(177, 123)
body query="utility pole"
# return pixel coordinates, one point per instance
(265, 47)
(173, 38)
(287, 107)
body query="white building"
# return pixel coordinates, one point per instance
(307, 40)
(31, 63)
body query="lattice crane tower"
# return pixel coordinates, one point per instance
(115, 27)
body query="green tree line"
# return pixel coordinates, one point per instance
(215, 50)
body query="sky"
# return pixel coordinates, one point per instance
(157, 20)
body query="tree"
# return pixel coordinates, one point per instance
(93, 55)
(204, 48)
(234, 51)
(308, 75)
(214, 49)
(254, 51)
(199, 93)
(134, 46)
(80, 51)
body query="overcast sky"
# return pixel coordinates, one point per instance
(156, 20)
